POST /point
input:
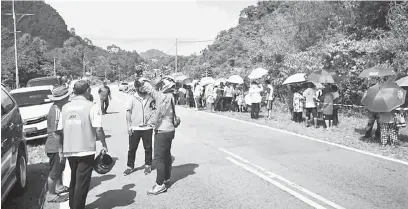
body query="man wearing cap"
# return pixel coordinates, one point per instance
(104, 92)
(140, 109)
(60, 97)
(81, 125)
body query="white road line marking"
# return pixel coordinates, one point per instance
(296, 186)
(277, 184)
(310, 138)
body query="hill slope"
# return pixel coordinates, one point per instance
(153, 53)
(46, 23)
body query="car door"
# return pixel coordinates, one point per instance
(7, 136)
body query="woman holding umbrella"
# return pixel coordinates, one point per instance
(385, 98)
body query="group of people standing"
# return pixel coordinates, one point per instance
(228, 97)
(74, 124)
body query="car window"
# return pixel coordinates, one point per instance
(43, 82)
(7, 103)
(32, 98)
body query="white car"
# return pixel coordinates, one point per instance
(34, 106)
(123, 86)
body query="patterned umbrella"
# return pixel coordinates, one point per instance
(384, 97)
(323, 76)
(376, 71)
(402, 81)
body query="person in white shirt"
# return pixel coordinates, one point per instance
(310, 95)
(228, 95)
(269, 98)
(256, 99)
(198, 89)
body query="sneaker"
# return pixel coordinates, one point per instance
(148, 169)
(128, 171)
(157, 189)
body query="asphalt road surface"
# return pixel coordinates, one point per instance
(223, 163)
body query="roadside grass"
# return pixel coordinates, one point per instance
(37, 173)
(349, 132)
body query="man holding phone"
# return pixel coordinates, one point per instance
(140, 109)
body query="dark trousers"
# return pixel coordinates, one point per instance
(134, 139)
(335, 116)
(255, 108)
(104, 105)
(372, 118)
(162, 155)
(227, 103)
(81, 173)
(217, 103)
(298, 116)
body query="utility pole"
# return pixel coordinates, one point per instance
(176, 55)
(15, 46)
(13, 14)
(55, 72)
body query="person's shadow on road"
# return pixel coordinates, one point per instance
(97, 180)
(182, 171)
(114, 198)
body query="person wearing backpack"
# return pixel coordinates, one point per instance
(165, 122)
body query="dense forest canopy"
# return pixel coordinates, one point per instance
(284, 37)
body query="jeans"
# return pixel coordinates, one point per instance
(134, 139)
(162, 155)
(81, 173)
(255, 108)
(104, 105)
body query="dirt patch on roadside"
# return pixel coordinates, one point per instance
(36, 177)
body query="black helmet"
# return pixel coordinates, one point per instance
(103, 163)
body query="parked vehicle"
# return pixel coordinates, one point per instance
(34, 105)
(45, 81)
(123, 86)
(14, 153)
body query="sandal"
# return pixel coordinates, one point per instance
(58, 199)
(65, 189)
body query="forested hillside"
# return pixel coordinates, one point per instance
(153, 53)
(44, 37)
(289, 37)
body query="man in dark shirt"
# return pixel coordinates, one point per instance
(60, 97)
(104, 92)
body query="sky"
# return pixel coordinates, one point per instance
(142, 25)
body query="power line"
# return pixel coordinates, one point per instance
(168, 51)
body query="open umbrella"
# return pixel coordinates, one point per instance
(384, 97)
(181, 78)
(206, 80)
(323, 76)
(376, 71)
(402, 81)
(236, 79)
(296, 78)
(257, 73)
(187, 81)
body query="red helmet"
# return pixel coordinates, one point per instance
(103, 163)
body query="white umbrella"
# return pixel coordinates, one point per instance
(181, 78)
(257, 73)
(402, 81)
(236, 79)
(296, 78)
(206, 80)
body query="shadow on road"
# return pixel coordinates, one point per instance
(111, 113)
(37, 142)
(37, 175)
(107, 136)
(182, 171)
(114, 198)
(97, 180)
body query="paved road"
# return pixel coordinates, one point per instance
(222, 163)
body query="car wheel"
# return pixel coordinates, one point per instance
(21, 175)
